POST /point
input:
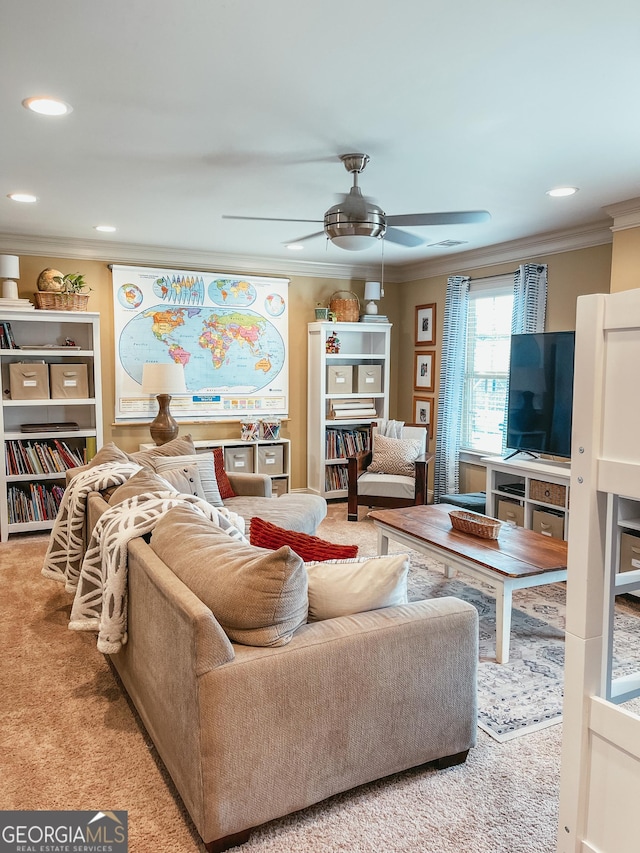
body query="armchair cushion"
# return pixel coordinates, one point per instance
(394, 455)
(343, 587)
(267, 535)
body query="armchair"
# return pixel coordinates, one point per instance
(387, 488)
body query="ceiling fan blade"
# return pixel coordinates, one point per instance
(404, 238)
(454, 217)
(268, 219)
(306, 237)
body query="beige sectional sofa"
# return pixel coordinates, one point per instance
(252, 733)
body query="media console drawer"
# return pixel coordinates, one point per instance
(511, 512)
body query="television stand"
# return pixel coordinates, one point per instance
(531, 493)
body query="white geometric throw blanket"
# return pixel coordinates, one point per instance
(100, 602)
(390, 429)
(68, 537)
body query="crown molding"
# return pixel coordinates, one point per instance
(625, 214)
(594, 234)
(127, 253)
(514, 251)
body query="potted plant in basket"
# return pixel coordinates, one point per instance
(60, 292)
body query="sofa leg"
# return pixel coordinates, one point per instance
(233, 840)
(452, 760)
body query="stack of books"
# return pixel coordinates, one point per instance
(374, 318)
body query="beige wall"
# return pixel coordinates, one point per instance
(570, 274)
(625, 263)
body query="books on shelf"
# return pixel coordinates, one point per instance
(354, 408)
(40, 457)
(374, 318)
(342, 443)
(7, 340)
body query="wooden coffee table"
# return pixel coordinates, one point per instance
(517, 559)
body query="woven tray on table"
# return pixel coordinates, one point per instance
(475, 524)
(52, 301)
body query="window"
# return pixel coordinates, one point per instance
(486, 377)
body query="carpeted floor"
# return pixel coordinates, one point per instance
(70, 740)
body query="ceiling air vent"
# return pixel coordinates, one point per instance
(447, 244)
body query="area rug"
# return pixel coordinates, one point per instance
(525, 694)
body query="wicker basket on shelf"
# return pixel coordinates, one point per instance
(346, 306)
(475, 524)
(52, 301)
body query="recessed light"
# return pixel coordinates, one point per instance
(560, 192)
(26, 198)
(47, 106)
(105, 228)
(295, 247)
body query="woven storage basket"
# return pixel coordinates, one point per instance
(346, 306)
(52, 301)
(548, 493)
(475, 524)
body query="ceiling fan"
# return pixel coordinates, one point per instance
(356, 222)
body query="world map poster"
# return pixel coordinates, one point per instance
(230, 333)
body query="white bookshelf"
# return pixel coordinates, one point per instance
(40, 336)
(361, 345)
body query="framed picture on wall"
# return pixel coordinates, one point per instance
(423, 412)
(423, 379)
(426, 325)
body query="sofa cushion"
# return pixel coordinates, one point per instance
(264, 534)
(342, 587)
(109, 453)
(292, 511)
(184, 480)
(206, 466)
(224, 486)
(259, 597)
(181, 446)
(394, 455)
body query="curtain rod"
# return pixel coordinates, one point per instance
(499, 275)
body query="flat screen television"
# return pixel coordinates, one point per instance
(540, 397)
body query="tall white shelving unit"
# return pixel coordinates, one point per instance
(361, 345)
(600, 774)
(41, 336)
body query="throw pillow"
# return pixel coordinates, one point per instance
(264, 534)
(142, 481)
(394, 455)
(339, 588)
(181, 446)
(259, 597)
(109, 453)
(225, 487)
(206, 466)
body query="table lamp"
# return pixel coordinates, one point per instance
(9, 271)
(371, 294)
(163, 380)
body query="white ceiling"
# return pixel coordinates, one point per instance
(185, 111)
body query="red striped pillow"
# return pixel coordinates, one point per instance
(224, 486)
(311, 548)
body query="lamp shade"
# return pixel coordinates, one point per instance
(371, 290)
(9, 266)
(163, 379)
